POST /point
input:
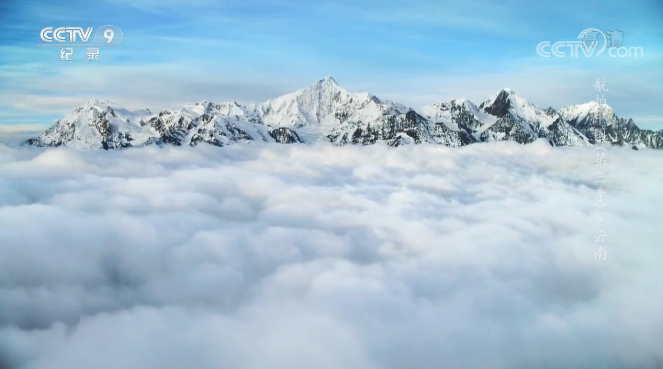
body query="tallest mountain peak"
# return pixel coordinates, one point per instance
(327, 81)
(97, 102)
(330, 79)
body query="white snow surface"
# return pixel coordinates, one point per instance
(523, 109)
(87, 137)
(591, 109)
(315, 107)
(442, 113)
(313, 112)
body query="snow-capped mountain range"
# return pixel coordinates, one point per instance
(325, 112)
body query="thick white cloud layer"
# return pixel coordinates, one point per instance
(292, 256)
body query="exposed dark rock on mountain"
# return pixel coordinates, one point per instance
(327, 112)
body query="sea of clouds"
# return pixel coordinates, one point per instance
(320, 257)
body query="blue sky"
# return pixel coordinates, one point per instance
(414, 52)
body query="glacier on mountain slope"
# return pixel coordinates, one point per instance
(325, 112)
(520, 107)
(96, 124)
(521, 121)
(205, 121)
(584, 114)
(321, 106)
(600, 124)
(457, 110)
(101, 124)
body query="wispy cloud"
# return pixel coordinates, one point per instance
(17, 133)
(250, 51)
(22, 128)
(478, 16)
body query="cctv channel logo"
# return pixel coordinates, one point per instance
(106, 36)
(49, 34)
(588, 45)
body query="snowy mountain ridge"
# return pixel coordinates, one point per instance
(325, 112)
